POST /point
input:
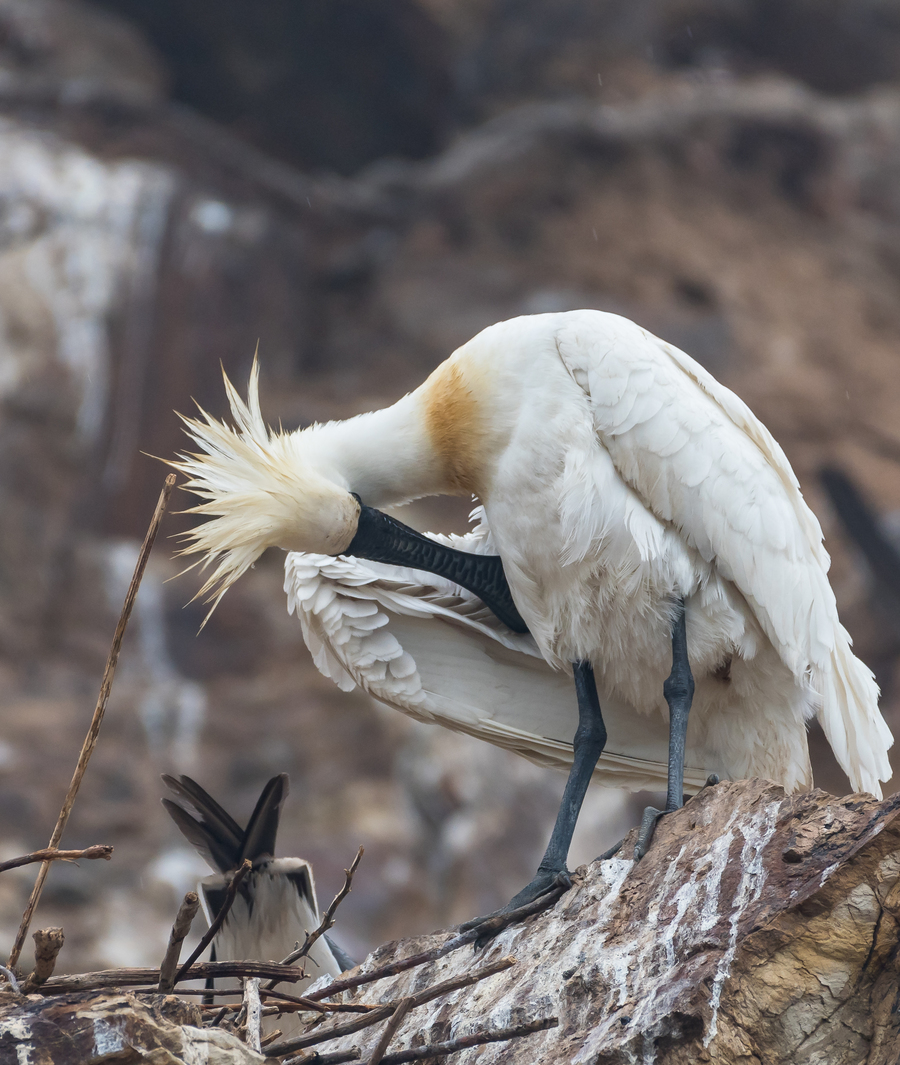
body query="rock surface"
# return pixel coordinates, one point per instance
(113, 1028)
(758, 928)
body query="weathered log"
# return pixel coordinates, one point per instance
(759, 927)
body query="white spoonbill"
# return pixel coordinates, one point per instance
(276, 904)
(649, 533)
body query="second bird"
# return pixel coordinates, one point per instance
(275, 905)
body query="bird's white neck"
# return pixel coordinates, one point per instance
(443, 439)
(385, 457)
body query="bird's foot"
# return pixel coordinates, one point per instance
(648, 824)
(546, 884)
(645, 832)
(611, 853)
(650, 818)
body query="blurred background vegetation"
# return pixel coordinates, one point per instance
(360, 186)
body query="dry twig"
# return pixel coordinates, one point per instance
(320, 1007)
(487, 928)
(429, 993)
(292, 1003)
(219, 1017)
(435, 1050)
(51, 854)
(48, 943)
(239, 875)
(148, 979)
(390, 1029)
(301, 1042)
(313, 1057)
(187, 911)
(328, 917)
(476, 1039)
(90, 741)
(253, 1008)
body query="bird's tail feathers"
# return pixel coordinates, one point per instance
(215, 833)
(262, 828)
(851, 720)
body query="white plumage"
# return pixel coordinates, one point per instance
(617, 477)
(431, 649)
(277, 910)
(275, 906)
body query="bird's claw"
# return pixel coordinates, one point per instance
(645, 833)
(648, 825)
(611, 853)
(542, 884)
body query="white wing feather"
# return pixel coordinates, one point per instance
(702, 463)
(429, 648)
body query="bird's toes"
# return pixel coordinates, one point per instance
(544, 883)
(611, 853)
(645, 833)
(476, 922)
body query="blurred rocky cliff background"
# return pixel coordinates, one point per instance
(359, 186)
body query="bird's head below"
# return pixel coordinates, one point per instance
(257, 491)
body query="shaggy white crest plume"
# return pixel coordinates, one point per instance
(647, 534)
(258, 494)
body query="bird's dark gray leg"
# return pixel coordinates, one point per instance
(590, 739)
(679, 692)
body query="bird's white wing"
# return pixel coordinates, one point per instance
(432, 650)
(701, 462)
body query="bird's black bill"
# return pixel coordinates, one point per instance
(380, 538)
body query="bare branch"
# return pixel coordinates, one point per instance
(48, 943)
(90, 741)
(219, 1017)
(318, 1036)
(435, 1050)
(187, 911)
(239, 875)
(349, 1027)
(337, 1057)
(328, 918)
(487, 928)
(253, 1008)
(476, 1039)
(148, 979)
(48, 854)
(457, 982)
(321, 1007)
(390, 1029)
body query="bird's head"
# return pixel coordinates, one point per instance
(257, 491)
